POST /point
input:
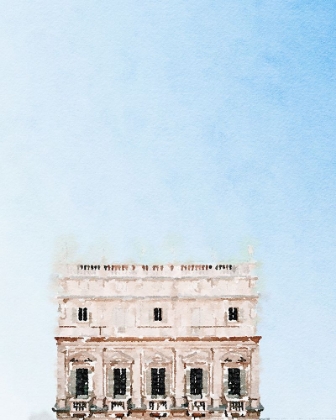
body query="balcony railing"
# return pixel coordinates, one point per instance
(79, 406)
(157, 405)
(236, 406)
(118, 406)
(158, 408)
(197, 408)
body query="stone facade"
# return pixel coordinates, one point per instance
(157, 341)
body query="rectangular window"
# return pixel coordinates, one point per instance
(157, 314)
(119, 382)
(158, 377)
(82, 314)
(196, 381)
(82, 382)
(233, 314)
(234, 381)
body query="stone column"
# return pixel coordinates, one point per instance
(137, 380)
(179, 391)
(61, 377)
(217, 387)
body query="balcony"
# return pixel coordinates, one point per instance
(237, 408)
(158, 408)
(79, 408)
(197, 408)
(117, 407)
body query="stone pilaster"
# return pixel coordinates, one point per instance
(61, 377)
(179, 378)
(254, 377)
(216, 378)
(137, 380)
(99, 378)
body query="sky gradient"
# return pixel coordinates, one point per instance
(171, 131)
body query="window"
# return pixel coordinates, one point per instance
(157, 314)
(234, 381)
(233, 314)
(82, 382)
(196, 381)
(158, 381)
(119, 382)
(82, 314)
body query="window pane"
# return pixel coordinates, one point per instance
(234, 381)
(158, 381)
(162, 377)
(233, 314)
(157, 314)
(196, 381)
(119, 382)
(80, 314)
(82, 382)
(85, 314)
(154, 381)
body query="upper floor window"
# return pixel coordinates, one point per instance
(119, 381)
(158, 376)
(82, 382)
(82, 314)
(233, 314)
(157, 314)
(234, 381)
(196, 381)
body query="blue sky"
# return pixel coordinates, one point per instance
(171, 131)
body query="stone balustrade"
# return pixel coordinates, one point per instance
(155, 270)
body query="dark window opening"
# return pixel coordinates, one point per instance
(82, 382)
(157, 314)
(234, 381)
(233, 314)
(119, 383)
(158, 381)
(82, 314)
(196, 381)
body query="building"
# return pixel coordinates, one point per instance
(157, 341)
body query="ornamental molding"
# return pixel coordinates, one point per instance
(156, 358)
(197, 356)
(118, 357)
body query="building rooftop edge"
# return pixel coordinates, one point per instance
(164, 270)
(88, 339)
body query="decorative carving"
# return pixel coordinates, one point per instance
(234, 357)
(157, 358)
(197, 356)
(118, 357)
(82, 357)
